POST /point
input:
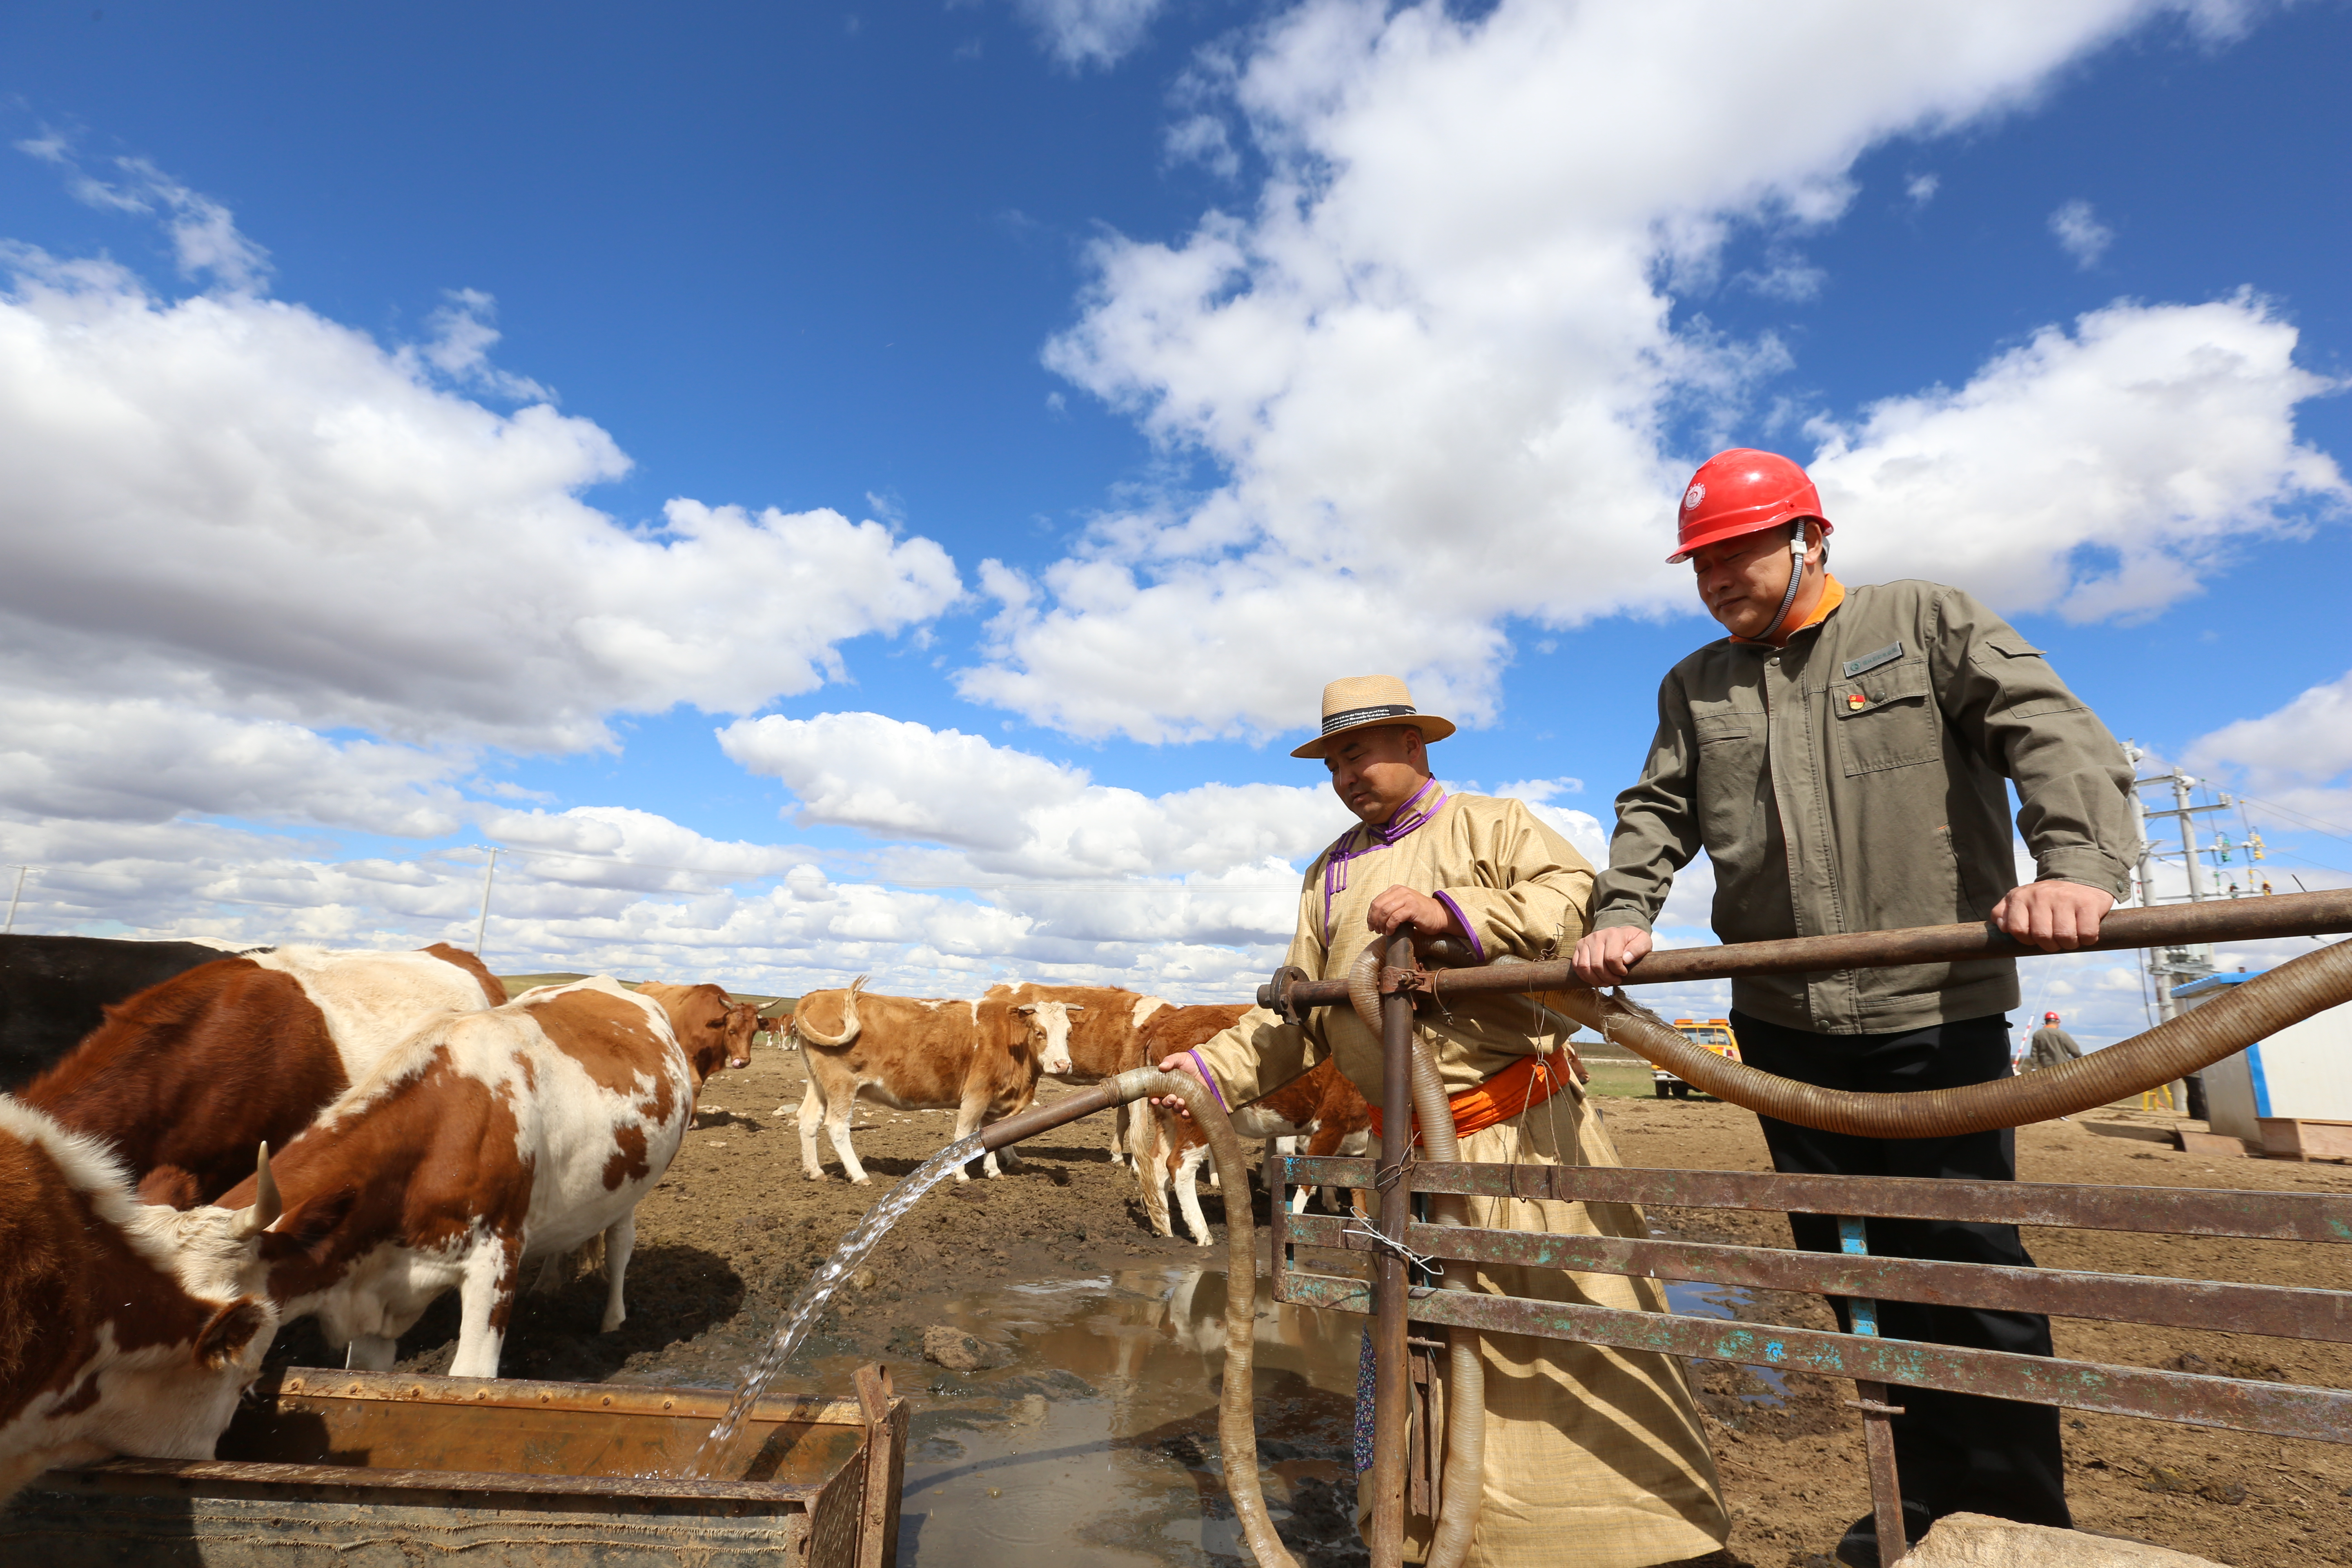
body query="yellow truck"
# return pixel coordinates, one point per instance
(1715, 1034)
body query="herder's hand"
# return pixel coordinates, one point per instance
(1400, 905)
(1180, 1062)
(2057, 916)
(1606, 957)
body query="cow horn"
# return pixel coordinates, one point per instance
(1073, 1006)
(1025, 1008)
(266, 1205)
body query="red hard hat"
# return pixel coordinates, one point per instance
(2048, 1017)
(1740, 491)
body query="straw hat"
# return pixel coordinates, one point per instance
(1361, 701)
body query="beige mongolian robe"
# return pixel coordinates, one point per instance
(1595, 1457)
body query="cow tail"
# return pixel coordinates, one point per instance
(805, 1027)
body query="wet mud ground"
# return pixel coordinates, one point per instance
(1080, 1427)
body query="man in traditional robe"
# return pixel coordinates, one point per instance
(1594, 1456)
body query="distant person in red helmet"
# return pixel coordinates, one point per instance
(1844, 757)
(2051, 1047)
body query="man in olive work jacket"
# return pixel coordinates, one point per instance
(1844, 758)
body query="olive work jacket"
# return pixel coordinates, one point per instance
(1854, 781)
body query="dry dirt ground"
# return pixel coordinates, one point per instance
(734, 1229)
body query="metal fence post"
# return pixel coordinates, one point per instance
(1392, 1387)
(1877, 1434)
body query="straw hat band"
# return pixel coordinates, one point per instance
(1355, 716)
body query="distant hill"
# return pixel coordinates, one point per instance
(770, 1006)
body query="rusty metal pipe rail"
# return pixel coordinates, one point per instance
(2285, 1311)
(2166, 925)
(2280, 1410)
(2175, 1211)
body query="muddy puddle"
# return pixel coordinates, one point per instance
(1095, 1440)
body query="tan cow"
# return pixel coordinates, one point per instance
(1322, 1107)
(916, 1053)
(694, 1011)
(1105, 1041)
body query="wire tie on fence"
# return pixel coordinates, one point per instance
(1383, 1242)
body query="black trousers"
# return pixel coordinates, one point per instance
(1956, 1452)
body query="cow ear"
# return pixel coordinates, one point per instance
(308, 1224)
(224, 1339)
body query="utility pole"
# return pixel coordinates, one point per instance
(15, 897)
(482, 923)
(2170, 966)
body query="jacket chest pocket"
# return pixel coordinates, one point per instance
(1885, 719)
(1727, 773)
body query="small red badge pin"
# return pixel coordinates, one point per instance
(1856, 702)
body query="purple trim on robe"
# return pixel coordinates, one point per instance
(1209, 1079)
(1464, 921)
(1402, 825)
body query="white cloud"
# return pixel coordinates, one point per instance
(2099, 473)
(253, 509)
(1009, 814)
(136, 760)
(2080, 234)
(1436, 360)
(1922, 188)
(204, 233)
(460, 349)
(2299, 756)
(1083, 33)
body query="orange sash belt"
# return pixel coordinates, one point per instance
(1528, 1081)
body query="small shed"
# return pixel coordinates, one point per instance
(2290, 1095)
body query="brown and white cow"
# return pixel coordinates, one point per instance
(111, 1340)
(983, 1058)
(1106, 1040)
(483, 1142)
(1321, 1105)
(187, 1077)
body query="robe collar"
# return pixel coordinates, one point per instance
(1413, 815)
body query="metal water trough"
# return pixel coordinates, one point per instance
(360, 1469)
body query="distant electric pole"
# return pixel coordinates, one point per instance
(15, 897)
(2170, 967)
(482, 922)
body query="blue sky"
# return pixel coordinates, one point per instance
(1255, 343)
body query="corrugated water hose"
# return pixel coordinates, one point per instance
(2195, 1040)
(1236, 1411)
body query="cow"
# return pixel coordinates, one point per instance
(54, 990)
(696, 1010)
(480, 1143)
(109, 1341)
(185, 1077)
(1107, 1041)
(778, 1027)
(981, 1058)
(1321, 1105)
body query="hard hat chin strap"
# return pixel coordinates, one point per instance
(1796, 576)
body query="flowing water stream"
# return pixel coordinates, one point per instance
(810, 1304)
